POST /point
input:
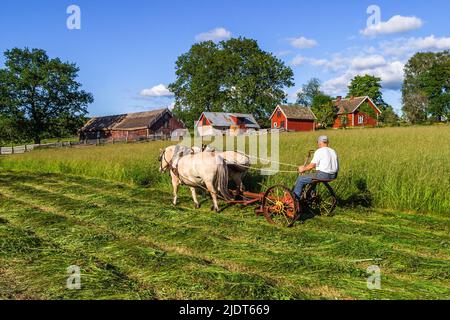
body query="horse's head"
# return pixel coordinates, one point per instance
(165, 160)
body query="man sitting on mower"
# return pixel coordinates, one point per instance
(326, 164)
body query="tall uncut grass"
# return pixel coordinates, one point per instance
(398, 168)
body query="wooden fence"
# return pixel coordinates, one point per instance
(98, 142)
(31, 147)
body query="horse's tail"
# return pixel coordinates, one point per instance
(222, 179)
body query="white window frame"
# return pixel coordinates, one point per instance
(360, 119)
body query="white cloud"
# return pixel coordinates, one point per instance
(396, 24)
(283, 53)
(337, 85)
(367, 62)
(302, 43)
(411, 45)
(216, 34)
(157, 91)
(337, 63)
(298, 60)
(391, 74)
(318, 62)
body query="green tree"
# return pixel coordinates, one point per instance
(389, 117)
(435, 84)
(309, 91)
(344, 121)
(367, 85)
(8, 131)
(322, 106)
(38, 92)
(426, 87)
(231, 76)
(415, 106)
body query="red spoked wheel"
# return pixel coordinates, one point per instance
(280, 207)
(321, 199)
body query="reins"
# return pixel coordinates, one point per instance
(186, 181)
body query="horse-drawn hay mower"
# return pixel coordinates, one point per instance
(281, 207)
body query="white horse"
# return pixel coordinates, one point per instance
(238, 165)
(203, 169)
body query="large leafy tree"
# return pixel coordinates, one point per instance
(309, 91)
(323, 108)
(231, 76)
(367, 85)
(426, 87)
(40, 96)
(321, 104)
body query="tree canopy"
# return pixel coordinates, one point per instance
(426, 87)
(40, 96)
(322, 106)
(367, 85)
(309, 91)
(231, 76)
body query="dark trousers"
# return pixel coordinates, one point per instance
(303, 181)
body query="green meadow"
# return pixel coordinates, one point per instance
(108, 210)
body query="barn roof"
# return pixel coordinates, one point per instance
(130, 121)
(222, 119)
(103, 123)
(140, 120)
(350, 105)
(296, 112)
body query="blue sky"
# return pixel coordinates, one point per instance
(126, 50)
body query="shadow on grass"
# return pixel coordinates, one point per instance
(253, 181)
(361, 198)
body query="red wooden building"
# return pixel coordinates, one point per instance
(356, 112)
(293, 118)
(132, 126)
(219, 123)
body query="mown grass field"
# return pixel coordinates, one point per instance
(108, 211)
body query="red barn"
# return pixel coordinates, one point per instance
(356, 112)
(293, 118)
(132, 126)
(219, 123)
